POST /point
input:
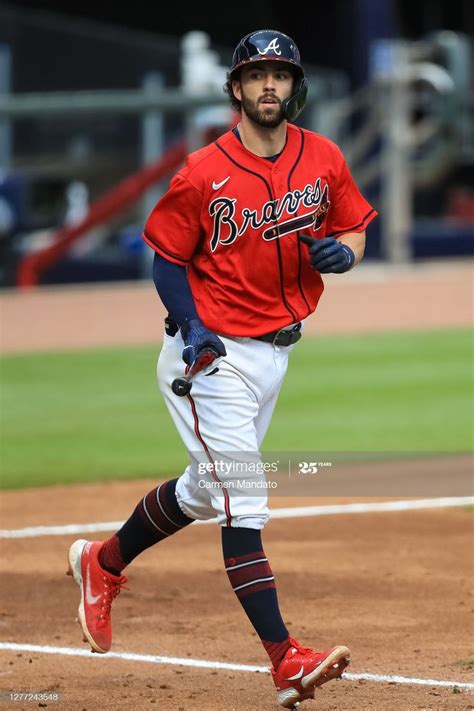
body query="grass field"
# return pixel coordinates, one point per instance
(98, 415)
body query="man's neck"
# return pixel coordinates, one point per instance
(263, 142)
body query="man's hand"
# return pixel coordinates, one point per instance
(328, 255)
(196, 337)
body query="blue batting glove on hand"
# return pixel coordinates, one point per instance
(196, 337)
(328, 255)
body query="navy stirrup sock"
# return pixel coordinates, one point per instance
(252, 581)
(156, 517)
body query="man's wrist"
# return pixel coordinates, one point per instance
(190, 323)
(350, 256)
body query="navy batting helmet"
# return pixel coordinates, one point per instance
(276, 46)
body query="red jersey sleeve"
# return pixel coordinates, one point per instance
(173, 227)
(349, 211)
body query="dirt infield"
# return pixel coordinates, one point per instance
(395, 587)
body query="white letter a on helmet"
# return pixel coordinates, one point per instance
(273, 46)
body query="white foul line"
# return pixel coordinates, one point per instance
(206, 664)
(294, 512)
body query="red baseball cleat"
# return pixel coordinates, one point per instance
(98, 590)
(302, 669)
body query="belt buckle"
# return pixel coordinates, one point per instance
(277, 335)
(292, 335)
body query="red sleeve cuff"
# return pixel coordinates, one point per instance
(360, 227)
(163, 252)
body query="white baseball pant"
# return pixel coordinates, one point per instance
(222, 424)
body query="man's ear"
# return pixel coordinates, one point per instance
(236, 89)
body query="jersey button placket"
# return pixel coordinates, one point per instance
(278, 183)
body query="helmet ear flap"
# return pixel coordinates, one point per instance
(294, 105)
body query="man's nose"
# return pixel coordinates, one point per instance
(270, 82)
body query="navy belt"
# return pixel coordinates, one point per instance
(282, 337)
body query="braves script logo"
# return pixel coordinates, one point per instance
(273, 46)
(227, 229)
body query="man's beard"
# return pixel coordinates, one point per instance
(260, 116)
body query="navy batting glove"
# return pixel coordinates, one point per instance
(196, 337)
(328, 255)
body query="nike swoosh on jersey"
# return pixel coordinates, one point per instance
(216, 186)
(90, 598)
(296, 676)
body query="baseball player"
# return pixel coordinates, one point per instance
(241, 239)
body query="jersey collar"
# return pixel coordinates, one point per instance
(286, 159)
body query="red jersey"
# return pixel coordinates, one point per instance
(233, 219)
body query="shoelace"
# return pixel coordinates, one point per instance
(299, 648)
(111, 590)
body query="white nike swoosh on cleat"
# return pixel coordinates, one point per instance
(296, 676)
(90, 598)
(216, 186)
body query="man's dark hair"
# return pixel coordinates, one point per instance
(235, 103)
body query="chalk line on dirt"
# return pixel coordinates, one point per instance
(293, 512)
(207, 664)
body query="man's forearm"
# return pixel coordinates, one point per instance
(173, 289)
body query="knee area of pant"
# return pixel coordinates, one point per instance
(254, 522)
